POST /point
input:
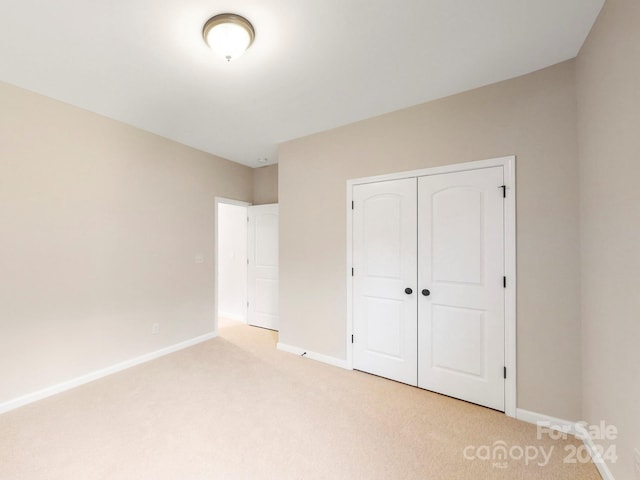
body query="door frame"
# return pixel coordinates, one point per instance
(509, 165)
(217, 201)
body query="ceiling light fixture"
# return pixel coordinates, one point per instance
(228, 35)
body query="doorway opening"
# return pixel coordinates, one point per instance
(246, 264)
(231, 262)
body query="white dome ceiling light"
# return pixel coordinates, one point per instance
(228, 35)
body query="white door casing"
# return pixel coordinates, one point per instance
(263, 266)
(461, 270)
(384, 262)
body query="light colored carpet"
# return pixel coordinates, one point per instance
(236, 408)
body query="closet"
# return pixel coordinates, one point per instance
(428, 282)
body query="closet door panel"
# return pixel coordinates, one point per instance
(385, 267)
(461, 265)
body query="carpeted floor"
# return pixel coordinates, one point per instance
(236, 408)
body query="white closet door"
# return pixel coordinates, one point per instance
(461, 302)
(262, 275)
(385, 264)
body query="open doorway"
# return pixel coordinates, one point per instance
(246, 264)
(231, 261)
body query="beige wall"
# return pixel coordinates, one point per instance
(608, 69)
(265, 185)
(533, 117)
(99, 227)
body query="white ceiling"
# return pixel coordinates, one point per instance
(315, 64)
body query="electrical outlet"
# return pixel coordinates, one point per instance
(636, 461)
(155, 329)
(199, 258)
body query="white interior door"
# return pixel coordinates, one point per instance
(385, 264)
(263, 266)
(461, 269)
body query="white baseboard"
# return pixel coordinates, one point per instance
(576, 429)
(598, 461)
(336, 362)
(89, 377)
(552, 422)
